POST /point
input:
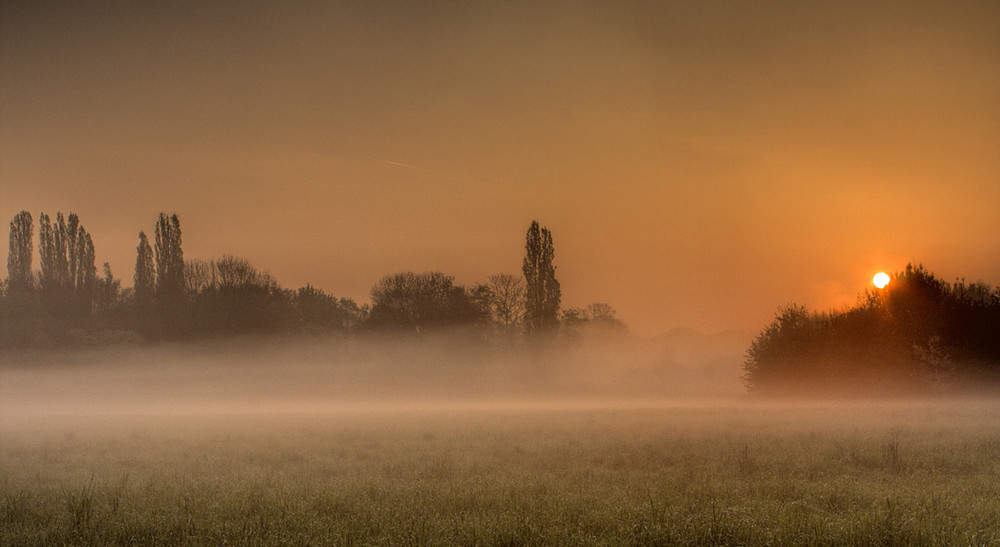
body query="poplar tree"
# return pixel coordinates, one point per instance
(542, 292)
(19, 254)
(59, 245)
(47, 253)
(144, 281)
(71, 235)
(86, 270)
(169, 258)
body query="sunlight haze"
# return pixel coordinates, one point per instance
(699, 164)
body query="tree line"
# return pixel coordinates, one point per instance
(171, 297)
(917, 334)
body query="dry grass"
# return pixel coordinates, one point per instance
(879, 474)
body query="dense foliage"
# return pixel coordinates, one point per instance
(916, 334)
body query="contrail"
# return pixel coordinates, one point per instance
(407, 166)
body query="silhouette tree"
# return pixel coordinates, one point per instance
(776, 356)
(479, 298)
(319, 312)
(20, 253)
(603, 316)
(506, 301)
(61, 250)
(918, 333)
(106, 291)
(171, 298)
(572, 317)
(197, 277)
(20, 320)
(542, 292)
(86, 271)
(47, 254)
(72, 248)
(233, 274)
(169, 259)
(240, 299)
(144, 280)
(597, 320)
(415, 303)
(67, 256)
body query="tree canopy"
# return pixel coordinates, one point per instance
(416, 302)
(172, 297)
(543, 294)
(918, 334)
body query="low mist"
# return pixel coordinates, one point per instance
(317, 374)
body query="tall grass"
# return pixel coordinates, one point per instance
(892, 474)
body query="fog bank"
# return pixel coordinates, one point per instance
(317, 374)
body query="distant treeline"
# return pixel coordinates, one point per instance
(918, 334)
(66, 302)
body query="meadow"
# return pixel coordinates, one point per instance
(731, 472)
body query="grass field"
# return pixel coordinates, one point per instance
(657, 474)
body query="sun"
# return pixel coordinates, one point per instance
(881, 279)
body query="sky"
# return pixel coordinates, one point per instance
(700, 164)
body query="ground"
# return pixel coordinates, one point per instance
(732, 472)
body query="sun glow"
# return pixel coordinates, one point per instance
(881, 279)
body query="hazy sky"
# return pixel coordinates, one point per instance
(699, 163)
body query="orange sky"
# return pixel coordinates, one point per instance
(699, 163)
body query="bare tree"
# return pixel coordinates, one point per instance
(232, 273)
(197, 276)
(507, 302)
